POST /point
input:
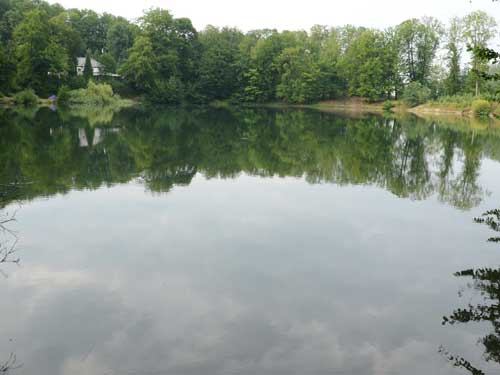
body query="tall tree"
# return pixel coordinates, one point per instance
(479, 29)
(369, 63)
(140, 68)
(87, 68)
(263, 75)
(173, 46)
(120, 38)
(454, 39)
(38, 51)
(299, 76)
(220, 71)
(418, 43)
(91, 27)
(7, 69)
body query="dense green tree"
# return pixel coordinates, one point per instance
(479, 29)
(263, 75)
(140, 68)
(120, 38)
(220, 69)
(299, 76)
(88, 72)
(108, 62)
(7, 69)
(368, 64)
(415, 93)
(328, 54)
(91, 27)
(454, 39)
(69, 38)
(38, 51)
(172, 45)
(418, 42)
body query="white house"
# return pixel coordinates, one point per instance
(97, 68)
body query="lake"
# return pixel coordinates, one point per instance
(247, 241)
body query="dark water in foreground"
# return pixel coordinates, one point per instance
(248, 242)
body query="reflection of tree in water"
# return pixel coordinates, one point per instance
(487, 282)
(8, 238)
(492, 219)
(163, 181)
(412, 176)
(9, 364)
(409, 157)
(461, 190)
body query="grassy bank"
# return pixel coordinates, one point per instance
(446, 106)
(95, 97)
(100, 97)
(8, 101)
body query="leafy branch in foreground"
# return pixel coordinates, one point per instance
(487, 282)
(460, 362)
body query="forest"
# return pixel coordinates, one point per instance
(165, 60)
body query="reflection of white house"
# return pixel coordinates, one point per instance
(99, 135)
(82, 136)
(97, 67)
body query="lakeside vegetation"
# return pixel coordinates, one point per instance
(165, 60)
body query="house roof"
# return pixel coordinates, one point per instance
(81, 62)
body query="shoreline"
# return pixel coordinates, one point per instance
(352, 105)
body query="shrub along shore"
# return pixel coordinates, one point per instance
(95, 96)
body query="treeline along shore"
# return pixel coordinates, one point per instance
(49, 51)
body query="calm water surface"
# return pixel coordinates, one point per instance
(248, 242)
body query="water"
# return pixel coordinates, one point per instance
(247, 242)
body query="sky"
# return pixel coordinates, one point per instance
(292, 14)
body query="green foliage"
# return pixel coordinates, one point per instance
(88, 72)
(7, 69)
(415, 94)
(166, 60)
(369, 63)
(171, 91)
(38, 51)
(454, 79)
(77, 82)
(140, 69)
(481, 108)
(299, 76)
(220, 71)
(388, 106)
(479, 29)
(119, 86)
(108, 63)
(26, 98)
(93, 95)
(91, 27)
(454, 101)
(63, 95)
(120, 38)
(163, 61)
(418, 42)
